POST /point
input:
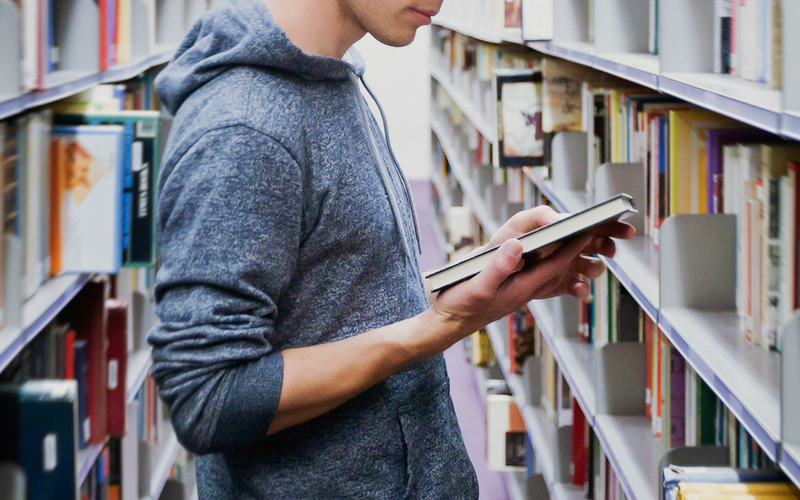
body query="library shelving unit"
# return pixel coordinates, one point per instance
(154, 39)
(687, 286)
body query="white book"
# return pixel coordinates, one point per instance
(730, 174)
(614, 208)
(600, 331)
(788, 240)
(31, 207)
(749, 172)
(537, 19)
(754, 265)
(91, 201)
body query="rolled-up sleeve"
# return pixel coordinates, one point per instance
(229, 221)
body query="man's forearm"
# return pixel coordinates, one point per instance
(317, 379)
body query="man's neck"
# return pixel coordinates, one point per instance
(321, 27)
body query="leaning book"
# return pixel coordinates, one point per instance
(536, 240)
(86, 189)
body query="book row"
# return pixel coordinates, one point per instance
(73, 391)
(696, 419)
(45, 44)
(78, 185)
(742, 38)
(693, 162)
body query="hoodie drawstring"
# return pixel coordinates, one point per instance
(404, 181)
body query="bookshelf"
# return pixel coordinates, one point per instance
(749, 102)
(37, 312)
(167, 455)
(156, 27)
(689, 297)
(19, 104)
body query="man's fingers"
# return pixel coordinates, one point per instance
(615, 229)
(533, 218)
(590, 267)
(504, 263)
(556, 264)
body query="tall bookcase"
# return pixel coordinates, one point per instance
(685, 287)
(156, 29)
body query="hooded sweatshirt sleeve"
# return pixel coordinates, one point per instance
(229, 223)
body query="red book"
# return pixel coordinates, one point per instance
(512, 366)
(69, 356)
(103, 14)
(580, 444)
(117, 311)
(648, 340)
(794, 170)
(87, 314)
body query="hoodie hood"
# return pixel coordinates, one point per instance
(242, 33)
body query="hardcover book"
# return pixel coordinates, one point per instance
(519, 118)
(536, 240)
(89, 212)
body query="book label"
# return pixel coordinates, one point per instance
(50, 452)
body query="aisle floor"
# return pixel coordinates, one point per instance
(463, 384)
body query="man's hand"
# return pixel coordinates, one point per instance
(503, 286)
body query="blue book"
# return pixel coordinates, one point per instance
(39, 423)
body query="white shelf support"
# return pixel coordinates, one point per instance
(10, 77)
(621, 377)
(685, 37)
(698, 262)
(569, 161)
(76, 31)
(612, 179)
(621, 26)
(570, 21)
(790, 398)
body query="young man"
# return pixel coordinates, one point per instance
(298, 353)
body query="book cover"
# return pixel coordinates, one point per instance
(92, 197)
(519, 118)
(39, 418)
(141, 174)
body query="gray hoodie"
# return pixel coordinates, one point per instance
(284, 221)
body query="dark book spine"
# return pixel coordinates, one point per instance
(142, 222)
(726, 44)
(81, 371)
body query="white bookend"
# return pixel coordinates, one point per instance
(129, 451)
(10, 54)
(12, 281)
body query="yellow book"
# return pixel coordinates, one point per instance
(736, 488)
(688, 170)
(731, 496)
(124, 19)
(481, 353)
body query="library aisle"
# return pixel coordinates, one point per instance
(463, 387)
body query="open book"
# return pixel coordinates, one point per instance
(575, 224)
